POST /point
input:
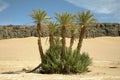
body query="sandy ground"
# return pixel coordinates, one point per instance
(16, 54)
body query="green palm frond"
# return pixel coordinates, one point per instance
(38, 15)
(73, 29)
(52, 27)
(93, 20)
(64, 18)
(85, 17)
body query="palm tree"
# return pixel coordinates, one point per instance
(84, 18)
(52, 27)
(73, 31)
(39, 16)
(64, 19)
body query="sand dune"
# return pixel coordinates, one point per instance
(16, 54)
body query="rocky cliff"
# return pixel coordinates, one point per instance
(96, 30)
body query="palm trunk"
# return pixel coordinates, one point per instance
(72, 40)
(39, 41)
(63, 32)
(39, 47)
(81, 37)
(34, 69)
(51, 40)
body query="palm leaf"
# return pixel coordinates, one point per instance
(85, 17)
(64, 18)
(38, 15)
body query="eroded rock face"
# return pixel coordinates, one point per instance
(96, 30)
(103, 29)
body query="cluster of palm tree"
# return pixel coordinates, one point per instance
(65, 20)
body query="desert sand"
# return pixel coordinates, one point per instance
(22, 53)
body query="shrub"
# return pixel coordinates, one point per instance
(51, 62)
(72, 62)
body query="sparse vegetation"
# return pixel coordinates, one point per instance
(72, 62)
(58, 58)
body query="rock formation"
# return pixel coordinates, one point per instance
(96, 30)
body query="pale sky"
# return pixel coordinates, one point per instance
(17, 11)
